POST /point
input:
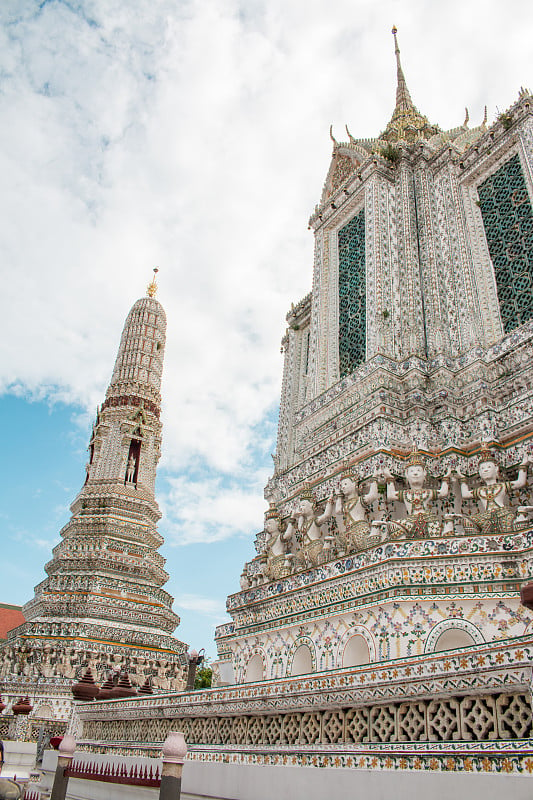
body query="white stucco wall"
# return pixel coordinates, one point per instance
(234, 782)
(210, 781)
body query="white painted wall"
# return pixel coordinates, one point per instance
(19, 758)
(235, 782)
(210, 781)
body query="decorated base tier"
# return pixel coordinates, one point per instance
(398, 599)
(467, 709)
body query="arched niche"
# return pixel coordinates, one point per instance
(453, 638)
(44, 711)
(356, 652)
(254, 669)
(302, 661)
(453, 634)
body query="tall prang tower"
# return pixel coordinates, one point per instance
(380, 628)
(102, 604)
(406, 415)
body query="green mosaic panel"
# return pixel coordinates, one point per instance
(352, 294)
(508, 220)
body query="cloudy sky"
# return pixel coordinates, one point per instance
(192, 136)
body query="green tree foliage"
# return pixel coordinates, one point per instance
(203, 677)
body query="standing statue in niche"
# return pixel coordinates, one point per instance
(130, 472)
(7, 663)
(244, 580)
(46, 666)
(278, 556)
(305, 525)
(493, 498)
(421, 522)
(351, 513)
(66, 666)
(161, 679)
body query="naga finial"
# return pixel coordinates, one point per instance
(335, 142)
(467, 117)
(151, 289)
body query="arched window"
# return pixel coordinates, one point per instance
(302, 661)
(452, 638)
(356, 652)
(254, 669)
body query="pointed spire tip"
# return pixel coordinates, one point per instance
(151, 289)
(407, 123)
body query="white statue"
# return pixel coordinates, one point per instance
(7, 667)
(162, 678)
(495, 515)
(46, 667)
(278, 556)
(177, 682)
(305, 525)
(244, 580)
(420, 522)
(66, 666)
(351, 512)
(130, 472)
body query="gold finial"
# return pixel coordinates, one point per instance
(151, 289)
(396, 48)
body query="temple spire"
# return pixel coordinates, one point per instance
(404, 104)
(407, 123)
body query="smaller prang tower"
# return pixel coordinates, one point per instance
(102, 604)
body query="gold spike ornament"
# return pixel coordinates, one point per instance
(151, 289)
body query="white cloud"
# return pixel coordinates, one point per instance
(207, 606)
(208, 509)
(194, 136)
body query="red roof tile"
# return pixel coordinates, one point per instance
(10, 617)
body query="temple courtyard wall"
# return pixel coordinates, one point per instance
(455, 722)
(207, 781)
